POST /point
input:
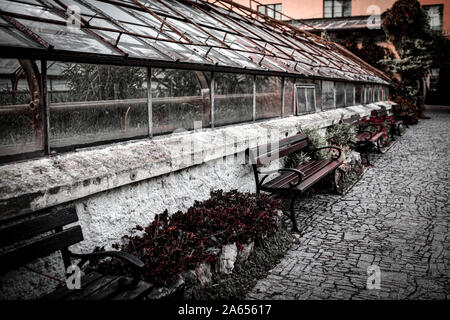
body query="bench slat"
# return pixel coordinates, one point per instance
(363, 136)
(37, 225)
(62, 291)
(292, 177)
(305, 185)
(284, 175)
(106, 292)
(136, 293)
(266, 148)
(18, 256)
(91, 288)
(262, 160)
(376, 136)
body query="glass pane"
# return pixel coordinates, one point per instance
(328, 8)
(338, 7)
(358, 93)
(179, 99)
(434, 16)
(386, 93)
(20, 125)
(278, 13)
(366, 95)
(301, 100)
(347, 10)
(233, 98)
(289, 96)
(340, 95)
(349, 94)
(95, 103)
(327, 95)
(65, 38)
(311, 99)
(262, 9)
(268, 97)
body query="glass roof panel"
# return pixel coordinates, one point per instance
(175, 30)
(64, 38)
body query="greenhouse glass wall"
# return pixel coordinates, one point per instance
(77, 73)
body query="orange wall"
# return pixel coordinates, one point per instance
(297, 9)
(306, 9)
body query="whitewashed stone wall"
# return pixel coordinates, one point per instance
(120, 186)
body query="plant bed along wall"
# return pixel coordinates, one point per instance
(189, 251)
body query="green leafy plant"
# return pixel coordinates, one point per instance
(341, 134)
(295, 159)
(316, 140)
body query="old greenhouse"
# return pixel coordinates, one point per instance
(124, 108)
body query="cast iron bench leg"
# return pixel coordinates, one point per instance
(292, 213)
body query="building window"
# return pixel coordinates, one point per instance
(306, 99)
(328, 95)
(233, 98)
(289, 85)
(179, 100)
(92, 103)
(340, 94)
(271, 10)
(434, 16)
(268, 97)
(349, 94)
(21, 130)
(337, 8)
(359, 94)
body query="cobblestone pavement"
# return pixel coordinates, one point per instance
(396, 217)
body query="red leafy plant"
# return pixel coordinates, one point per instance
(180, 242)
(378, 122)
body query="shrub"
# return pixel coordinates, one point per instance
(171, 245)
(342, 134)
(378, 123)
(316, 140)
(295, 159)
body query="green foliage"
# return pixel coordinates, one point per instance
(90, 82)
(369, 51)
(406, 25)
(316, 140)
(295, 159)
(341, 134)
(405, 20)
(413, 65)
(175, 83)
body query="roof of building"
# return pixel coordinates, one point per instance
(194, 34)
(341, 23)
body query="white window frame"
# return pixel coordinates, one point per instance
(305, 87)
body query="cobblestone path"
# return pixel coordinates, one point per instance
(396, 217)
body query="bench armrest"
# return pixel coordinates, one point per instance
(125, 256)
(298, 172)
(330, 147)
(367, 131)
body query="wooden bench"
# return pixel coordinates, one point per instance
(395, 128)
(290, 182)
(367, 140)
(406, 116)
(25, 239)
